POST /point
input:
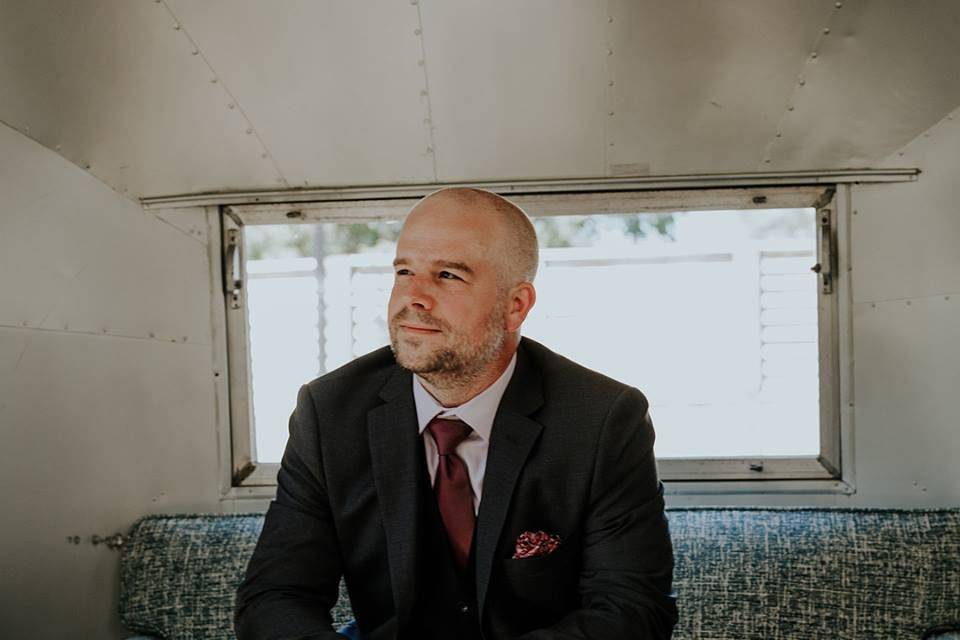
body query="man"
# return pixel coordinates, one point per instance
(466, 482)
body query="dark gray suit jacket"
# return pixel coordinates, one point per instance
(571, 454)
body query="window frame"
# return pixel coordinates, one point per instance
(831, 471)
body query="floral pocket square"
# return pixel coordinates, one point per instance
(535, 544)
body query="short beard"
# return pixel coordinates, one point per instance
(452, 367)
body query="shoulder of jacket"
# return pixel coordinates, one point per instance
(560, 371)
(372, 367)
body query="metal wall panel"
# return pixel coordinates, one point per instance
(99, 428)
(113, 85)
(906, 381)
(886, 72)
(698, 87)
(97, 431)
(75, 256)
(906, 237)
(333, 88)
(516, 88)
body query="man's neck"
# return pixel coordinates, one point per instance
(452, 391)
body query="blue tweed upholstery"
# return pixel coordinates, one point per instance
(782, 573)
(178, 574)
(801, 574)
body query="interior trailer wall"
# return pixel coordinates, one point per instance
(904, 257)
(106, 390)
(107, 370)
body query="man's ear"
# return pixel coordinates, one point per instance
(521, 300)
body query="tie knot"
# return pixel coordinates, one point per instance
(448, 433)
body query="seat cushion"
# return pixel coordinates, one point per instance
(179, 574)
(799, 574)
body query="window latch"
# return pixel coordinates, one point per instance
(233, 281)
(824, 266)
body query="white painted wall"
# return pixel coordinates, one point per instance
(107, 400)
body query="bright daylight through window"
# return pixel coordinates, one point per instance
(712, 314)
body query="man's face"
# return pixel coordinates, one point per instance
(447, 314)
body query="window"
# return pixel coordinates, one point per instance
(720, 305)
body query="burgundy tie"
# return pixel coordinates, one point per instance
(452, 487)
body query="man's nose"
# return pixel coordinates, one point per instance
(418, 295)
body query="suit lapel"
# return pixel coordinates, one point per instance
(511, 440)
(394, 438)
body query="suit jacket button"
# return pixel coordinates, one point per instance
(463, 608)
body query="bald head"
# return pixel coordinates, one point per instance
(516, 241)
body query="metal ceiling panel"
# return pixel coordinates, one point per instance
(113, 85)
(887, 71)
(334, 89)
(140, 282)
(166, 97)
(516, 88)
(698, 87)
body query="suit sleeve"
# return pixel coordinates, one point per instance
(627, 563)
(293, 576)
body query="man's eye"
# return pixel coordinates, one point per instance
(449, 276)
(402, 272)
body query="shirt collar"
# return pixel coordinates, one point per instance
(478, 411)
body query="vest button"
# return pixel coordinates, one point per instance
(463, 608)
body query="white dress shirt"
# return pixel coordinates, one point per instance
(478, 412)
